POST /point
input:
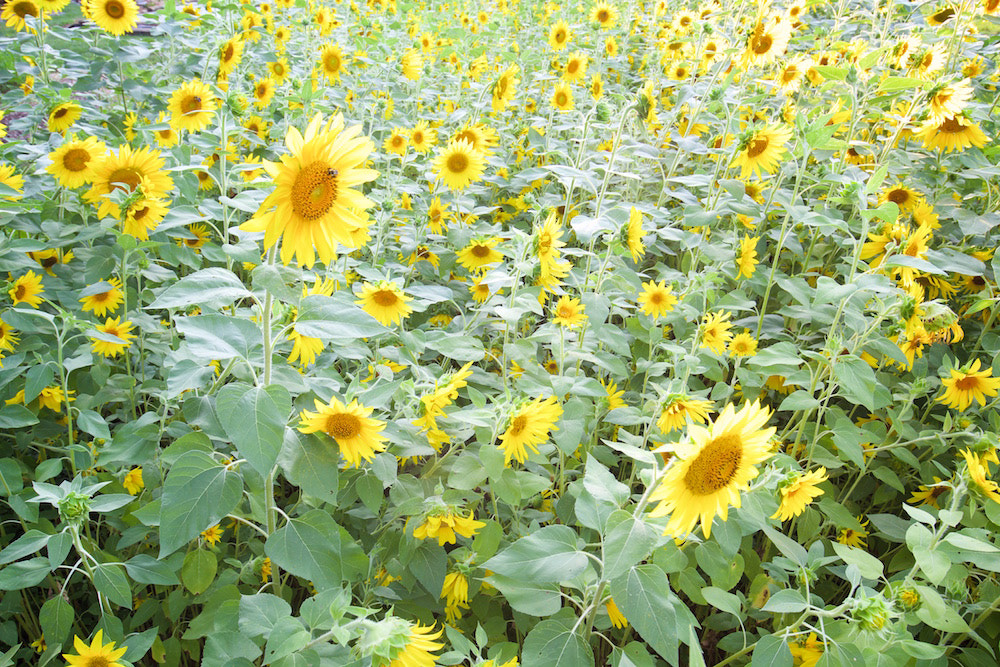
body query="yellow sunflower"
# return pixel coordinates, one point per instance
(313, 206)
(230, 55)
(331, 59)
(743, 345)
(562, 97)
(351, 426)
(480, 254)
(707, 475)
(263, 92)
(62, 116)
(505, 87)
(576, 67)
(747, 261)
(127, 170)
(15, 12)
(305, 349)
(762, 151)
(656, 299)
(72, 163)
(559, 35)
(114, 16)
(396, 142)
(98, 654)
(767, 42)
(945, 101)
(423, 137)
(966, 386)
(481, 137)
(604, 14)
(192, 106)
(27, 289)
(568, 312)
(8, 337)
(104, 302)
(113, 337)
(952, 134)
(529, 427)
(412, 64)
(979, 476)
(715, 334)
(798, 492)
(385, 301)
(459, 164)
(679, 409)
(445, 526)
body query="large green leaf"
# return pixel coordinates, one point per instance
(255, 417)
(110, 581)
(312, 464)
(197, 494)
(644, 597)
(629, 540)
(218, 337)
(528, 598)
(599, 495)
(214, 288)
(336, 319)
(261, 612)
(547, 555)
(554, 643)
(314, 547)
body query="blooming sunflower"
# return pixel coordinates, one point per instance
(798, 492)
(529, 427)
(979, 475)
(103, 302)
(568, 312)
(305, 349)
(331, 58)
(62, 116)
(929, 494)
(767, 42)
(505, 87)
(762, 150)
(113, 337)
(679, 409)
(114, 16)
(562, 97)
(230, 55)
(576, 67)
(8, 337)
(945, 101)
(480, 254)
(707, 476)
(559, 35)
(906, 198)
(385, 301)
(27, 289)
(423, 137)
(459, 164)
(418, 648)
(127, 170)
(952, 134)
(356, 433)
(14, 13)
(445, 526)
(656, 299)
(743, 345)
(966, 386)
(278, 70)
(313, 206)
(482, 137)
(604, 14)
(192, 106)
(98, 654)
(263, 92)
(412, 64)
(73, 161)
(747, 261)
(396, 142)
(133, 481)
(715, 332)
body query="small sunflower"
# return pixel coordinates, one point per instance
(798, 492)
(559, 35)
(459, 164)
(113, 337)
(568, 312)
(27, 289)
(230, 55)
(98, 654)
(604, 14)
(528, 427)
(423, 137)
(948, 100)
(192, 106)
(127, 170)
(357, 435)
(767, 42)
(952, 134)
(72, 163)
(331, 60)
(562, 97)
(743, 345)
(116, 17)
(576, 67)
(966, 386)
(385, 301)
(747, 261)
(979, 475)
(62, 116)
(263, 92)
(480, 254)
(762, 151)
(278, 70)
(656, 299)
(715, 334)
(104, 302)
(396, 142)
(446, 526)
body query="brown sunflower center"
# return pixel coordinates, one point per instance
(190, 103)
(101, 298)
(898, 197)
(951, 126)
(262, 90)
(518, 425)
(560, 36)
(114, 9)
(23, 9)
(20, 291)
(228, 54)
(762, 44)
(314, 191)
(458, 163)
(97, 661)
(480, 251)
(76, 159)
(603, 16)
(967, 383)
(60, 112)
(757, 146)
(342, 426)
(944, 14)
(398, 141)
(561, 98)
(126, 175)
(790, 74)
(467, 135)
(140, 213)
(656, 298)
(385, 298)
(715, 466)
(572, 66)
(49, 262)
(332, 64)
(417, 138)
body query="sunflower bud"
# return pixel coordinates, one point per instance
(603, 112)
(74, 508)
(908, 598)
(237, 104)
(872, 613)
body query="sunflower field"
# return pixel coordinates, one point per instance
(411, 334)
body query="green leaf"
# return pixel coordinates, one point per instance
(29, 543)
(287, 637)
(969, 543)
(37, 378)
(56, 617)
(937, 613)
(895, 83)
(800, 399)
(869, 566)
(16, 416)
(429, 564)
(218, 337)
(554, 643)
(723, 600)
(787, 601)
(260, 613)
(787, 546)
(528, 598)
(629, 541)
(548, 555)
(255, 418)
(197, 494)
(198, 571)
(110, 580)
(147, 570)
(93, 423)
(600, 494)
(312, 464)
(314, 547)
(11, 480)
(771, 651)
(24, 574)
(644, 597)
(336, 319)
(213, 288)
(859, 385)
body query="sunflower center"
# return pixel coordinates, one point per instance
(560, 99)
(101, 298)
(967, 383)
(518, 425)
(565, 311)
(20, 291)
(762, 44)
(757, 146)
(656, 298)
(790, 74)
(342, 426)
(190, 103)
(314, 191)
(467, 135)
(944, 14)
(140, 213)
(480, 251)
(228, 54)
(97, 661)
(60, 112)
(951, 126)
(23, 9)
(332, 64)
(126, 175)
(715, 466)
(76, 159)
(385, 298)
(114, 9)
(417, 138)
(572, 66)
(560, 36)
(898, 197)
(602, 16)
(458, 163)
(49, 262)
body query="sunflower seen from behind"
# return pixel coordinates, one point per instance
(314, 205)
(357, 435)
(710, 470)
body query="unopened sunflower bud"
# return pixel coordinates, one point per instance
(873, 613)
(74, 508)
(238, 104)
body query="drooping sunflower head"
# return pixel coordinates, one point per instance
(62, 116)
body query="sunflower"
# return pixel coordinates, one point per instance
(145, 213)
(559, 35)
(11, 179)
(767, 42)
(437, 216)
(966, 386)
(127, 170)
(762, 151)
(480, 254)
(230, 55)
(656, 299)
(356, 433)
(97, 654)
(952, 134)
(528, 427)
(113, 337)
(906, 198)
(114, 16)
(715, 331)
(798, 492)
(331, 58)
(708, 474)
(313, 206)
(747, 261)
(615, 615)
(679, 409)
(166, 136)
(72, 163)
(8, 338)
(743, 345)
(15, 12)
(263, 92)
(482, 137)
(568, 312)
(604, 14)
(196, 237)
(929, 494)
(790, 78)
(104, 302)
(396, 142)
(459, 164)
(926, 64)
(979, 475)
(133, 481)
(412, 64)
(305, 349)
(423, 137)
(596, 87)
(562, 97)
(27, 289)
(62, 116)
(505, 87)
(948, 100)
(576, 67)
(385, 301)
(445, 526)
(191, 106)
